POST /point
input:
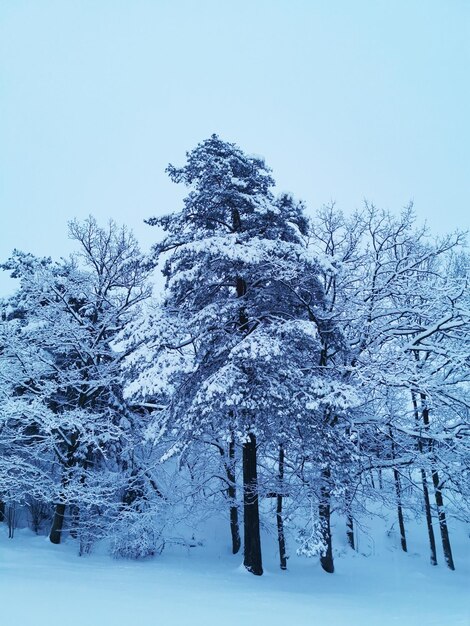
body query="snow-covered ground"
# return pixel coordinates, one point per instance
(46, 585)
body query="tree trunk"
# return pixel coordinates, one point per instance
(251, 531)
(427, 510)
(349, 519)
(57, 524)
(396, 476)
(350, 531)
(442, 521)
(401, 520)
(232, 497)
(55, 535)
(424, 481)
(326, 559)
(2, 511)
(252, 548)
(441, 516)
(12, 519)
(279, 519)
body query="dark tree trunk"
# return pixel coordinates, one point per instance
(251, 531)
(11, 515)
(55, 535)
(424, 482)
(350, 531)
(252, 548)
(279, 519)
(349, 518)
(232, 496)
(441, 516)
(326, 559)
(242, 316)
(57, 524)
(229, 466)
(442, 521)
(427, 510)
(401, 520)
(381, 485)
(235, 530)
(2, 511)
(396, 476)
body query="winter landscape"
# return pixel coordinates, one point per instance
(261, 417)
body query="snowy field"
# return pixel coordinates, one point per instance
(46, 585)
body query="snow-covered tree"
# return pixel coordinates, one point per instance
(404, 320)
(294, 370)
(65, 419)
(243, 323)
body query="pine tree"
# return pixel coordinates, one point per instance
(244, 302)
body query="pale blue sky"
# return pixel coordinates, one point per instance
(346, 100)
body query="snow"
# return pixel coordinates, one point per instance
(48, 585)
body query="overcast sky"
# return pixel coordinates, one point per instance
(346, 100)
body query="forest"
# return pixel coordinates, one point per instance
(298, 373)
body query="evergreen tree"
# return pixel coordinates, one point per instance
(244, 310)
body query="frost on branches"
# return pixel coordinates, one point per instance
(65, 422)
(295, 375)
(246, 329)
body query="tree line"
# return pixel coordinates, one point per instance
(294, 370)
